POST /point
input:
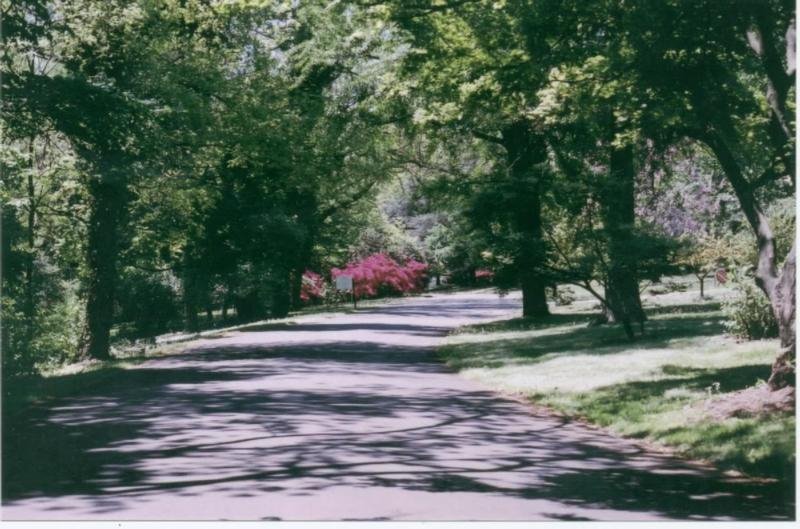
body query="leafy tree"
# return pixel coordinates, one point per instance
(724, 74)
(703, 257)
(469, 74)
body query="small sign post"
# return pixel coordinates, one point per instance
(344, 283)
(347, 283)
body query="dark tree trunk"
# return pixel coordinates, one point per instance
(190, 307)
(525, 152)
(250, 307)
(210, 315)
(784, 303)
(534, 298)
(608, 315)
(702, 283)
(190, 293)
(534, 301)
(281, 299)
(302, 259)
(8, 230)
(296, 283)
(107, 206)
(779, 289)
(5, 342)
(30, 301)
(762, 39)
(622, 286)
(231, 297)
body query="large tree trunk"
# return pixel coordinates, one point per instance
(622, 285)
(190, 293)
(302, 258)
(778, 289)
(784, 305)
(281, 297)
(296, 287)
(533, 282)
(524, 151)
(762, 39)
(107, 206)
(9, 233)
(30, 300)
(534, 302)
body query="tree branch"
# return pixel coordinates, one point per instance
(355, 197)
(487, 137)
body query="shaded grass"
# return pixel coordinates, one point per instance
(670, 411)
(655, 388)
(528, 341)
(21, 392)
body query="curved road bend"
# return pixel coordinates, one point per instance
(340, 417)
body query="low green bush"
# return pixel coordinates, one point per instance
(749, 314)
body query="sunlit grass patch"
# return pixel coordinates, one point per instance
(653, 388)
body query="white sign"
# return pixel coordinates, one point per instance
(344, 283)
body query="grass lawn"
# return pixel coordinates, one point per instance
(657, 388)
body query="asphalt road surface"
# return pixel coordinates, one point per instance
(343, 417)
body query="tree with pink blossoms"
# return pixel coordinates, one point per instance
(313, 287)
(380, 275)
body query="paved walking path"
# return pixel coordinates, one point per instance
(340, 417)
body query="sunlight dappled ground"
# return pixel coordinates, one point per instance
(340, 417)
(656, 387)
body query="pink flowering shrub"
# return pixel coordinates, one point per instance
(484, 274)
(312, 287)
(379, 274)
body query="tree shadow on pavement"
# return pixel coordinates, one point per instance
(413, 330)
(301, 418)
